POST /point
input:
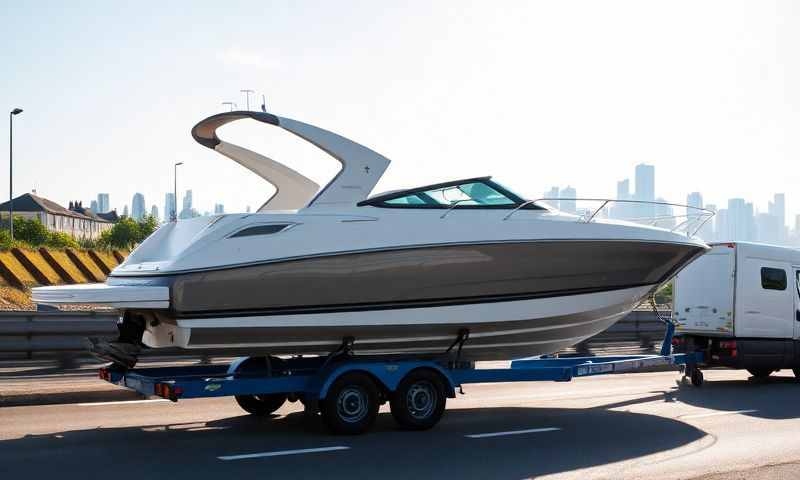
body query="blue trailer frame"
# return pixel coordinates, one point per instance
(312, 377)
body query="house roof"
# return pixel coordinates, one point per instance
(34, 203)
(111, 216)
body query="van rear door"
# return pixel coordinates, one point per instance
(704, 293)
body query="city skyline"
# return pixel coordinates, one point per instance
(736, 218)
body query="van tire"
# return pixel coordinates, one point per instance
(760, 372)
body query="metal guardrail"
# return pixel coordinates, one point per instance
(25, 334)
(29, 335)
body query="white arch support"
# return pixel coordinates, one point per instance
(361, 169)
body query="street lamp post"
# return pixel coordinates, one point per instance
(11, 115)
(247, 92)
(175, 193)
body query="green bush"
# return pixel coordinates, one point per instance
(5, 240)
(30, 231)
(127, 233)
(61, 240)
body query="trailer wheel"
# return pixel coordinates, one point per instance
(261, 404)
(697, 377)
(419, 401)
(760, 373)
(351, 404)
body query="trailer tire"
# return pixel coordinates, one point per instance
(697, 377)
(419, 401)
(261, 405)
(351, 405)
(760, 373)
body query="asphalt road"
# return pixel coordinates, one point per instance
(615, 427)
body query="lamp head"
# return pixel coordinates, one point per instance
(16, 111)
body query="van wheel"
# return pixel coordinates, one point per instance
(760, 372)
(419, 401)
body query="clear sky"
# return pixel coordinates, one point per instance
(535, 93)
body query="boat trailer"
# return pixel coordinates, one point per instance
(347, 390)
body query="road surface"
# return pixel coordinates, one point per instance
(613, 427)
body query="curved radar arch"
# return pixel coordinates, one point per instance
(361, 167)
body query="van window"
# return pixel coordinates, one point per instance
(773, 278)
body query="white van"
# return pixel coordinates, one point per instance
(740, 304)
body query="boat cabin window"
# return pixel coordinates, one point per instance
(261, 230)
(474, 193)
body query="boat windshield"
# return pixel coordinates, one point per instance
(471, 193)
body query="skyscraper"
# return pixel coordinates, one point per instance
(170, 208)
(741, 224)
(125, 211)
(552, 194)
(138, 207)
(154, 213)
(622, 210)
(777, 208)
(187, 211)
(694, 199)
(103, 205)
(219, 209)
(645, 182)
(645, 191)
(568, 206)
(93, 206)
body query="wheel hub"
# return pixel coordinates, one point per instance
(351, 405)
(421, 400)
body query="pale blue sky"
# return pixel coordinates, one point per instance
(535, 93)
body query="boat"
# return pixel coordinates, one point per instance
(464, 263)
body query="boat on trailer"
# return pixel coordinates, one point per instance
(407, 272)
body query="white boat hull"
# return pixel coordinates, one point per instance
(498, 330)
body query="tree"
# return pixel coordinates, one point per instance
(127, 233)
(30, 231)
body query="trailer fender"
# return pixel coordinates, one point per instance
(387, 375)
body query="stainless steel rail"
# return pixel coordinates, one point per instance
(700, 218)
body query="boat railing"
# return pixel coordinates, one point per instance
(689, 223)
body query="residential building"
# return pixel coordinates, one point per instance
(79, 224)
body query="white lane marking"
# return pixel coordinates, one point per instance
(282, 452)
(716, 414)
(513, 432)
(122, 402)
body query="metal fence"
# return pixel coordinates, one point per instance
(58, 334)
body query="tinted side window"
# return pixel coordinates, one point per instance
(260, 230)
(773, 278)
